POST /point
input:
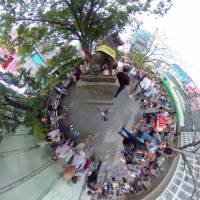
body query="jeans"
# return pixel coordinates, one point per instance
(132, 139)
(125, 134)
(121, 87)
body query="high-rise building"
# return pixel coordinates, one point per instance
(139, 40)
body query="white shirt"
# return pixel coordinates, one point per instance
(63, 150)
(55, 135)
(119, 66)
(79, 159)
(53, 121)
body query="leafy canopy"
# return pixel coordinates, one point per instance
(40, 22)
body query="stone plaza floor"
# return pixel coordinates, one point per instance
(86, 119)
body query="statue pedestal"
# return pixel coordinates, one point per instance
(98, 78)
(98, 89)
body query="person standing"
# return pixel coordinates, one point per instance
(123, 79)
(92, 177)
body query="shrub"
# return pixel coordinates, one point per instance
(38, 131)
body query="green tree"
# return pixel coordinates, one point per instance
(138, 59)
(13, 108)
(16, 109)
(12, 99)
(148, 67)
(40, 22)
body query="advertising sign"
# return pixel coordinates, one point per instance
(5, 58)
(37, 59)
(192, 88)
(180, 75)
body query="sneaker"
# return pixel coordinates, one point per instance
(130, 96)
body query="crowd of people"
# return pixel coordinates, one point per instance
(145, 146)
(77, 156)
(54, 111)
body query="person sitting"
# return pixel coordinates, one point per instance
(169, 152)
(47, 122)
(75, 165)
(92, 178)
(163, 100)
(51, 121)
(51, 107)
(160, 122)
(63, 150)
(155, 141)
(138, 185)
(79, 158)
(56, 119)
(75, 73)
(150, 118)
(53, 136)
(58, 88)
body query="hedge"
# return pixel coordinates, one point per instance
(38, 131)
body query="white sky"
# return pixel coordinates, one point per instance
(182, 27)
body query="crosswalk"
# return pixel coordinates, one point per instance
(185, 184)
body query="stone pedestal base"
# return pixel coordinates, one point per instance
(98, 78)
(98, 89)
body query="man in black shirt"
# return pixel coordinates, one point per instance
(123, 79)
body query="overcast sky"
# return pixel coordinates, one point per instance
(182, 27)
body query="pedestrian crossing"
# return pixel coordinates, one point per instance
(184, 184)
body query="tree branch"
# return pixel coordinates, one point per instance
(154, 51)
(162, 61)
(42, 20)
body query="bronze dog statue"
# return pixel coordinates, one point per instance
(105, 55)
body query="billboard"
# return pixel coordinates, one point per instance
(195, 103)
(5, 58)
(38, 60)
(192, 88)
(179, 74)
(188, 85)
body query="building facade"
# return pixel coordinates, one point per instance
(139, 40)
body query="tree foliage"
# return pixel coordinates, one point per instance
(12, 109)
(16, 109)
(57, 21)
(138, 59)
(50, 25)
